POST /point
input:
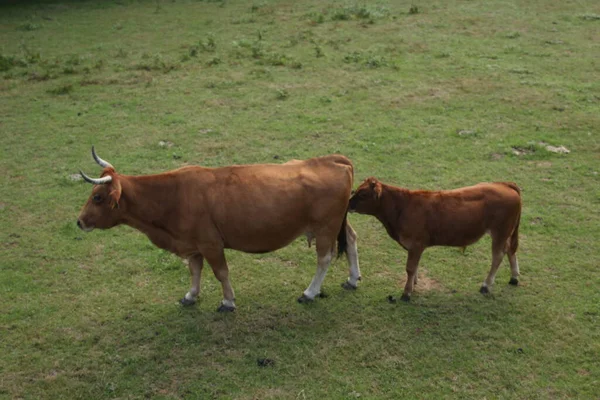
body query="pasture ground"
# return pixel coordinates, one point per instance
(431, 94)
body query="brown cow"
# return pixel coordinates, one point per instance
(418, 219)
(198, 212)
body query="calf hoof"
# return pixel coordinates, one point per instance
(304, 299)
(513, 281)
(348, 286)
(186, 302)
(391, 299)
(484, 290)
(405, 298)
(224, 308)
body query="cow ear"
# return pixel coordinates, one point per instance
(115, 193)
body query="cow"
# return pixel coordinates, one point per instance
(418, 219)
(197, 213)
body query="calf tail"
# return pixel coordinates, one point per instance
(342, 239)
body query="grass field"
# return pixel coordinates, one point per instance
(429, 94)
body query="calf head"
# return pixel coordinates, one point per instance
(366, 198)
(102, 207)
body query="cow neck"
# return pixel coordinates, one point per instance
(391, 205)
(146, 201)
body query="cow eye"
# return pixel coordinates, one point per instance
(97, 198)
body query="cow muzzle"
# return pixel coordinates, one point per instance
(84, 227)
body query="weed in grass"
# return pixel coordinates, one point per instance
(29, 26)
(590, 17)
(413, 10)
(512, 35)
(8, 62)
(209, 44)
(319, 51)
(282, 94)
(61, 90)
(121, 53)
(214, 61)
(316, 18)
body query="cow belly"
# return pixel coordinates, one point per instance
(251, 240)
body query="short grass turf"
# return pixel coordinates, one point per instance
(429, 94)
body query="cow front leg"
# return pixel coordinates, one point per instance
(352, 256)
(324, 256)
(219, 266)
(412, 265)
(195, 264)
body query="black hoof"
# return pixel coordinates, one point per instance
(185, 302)
(405, 298)
(304, 299)
(513, 281)
(391, 299)
(224, 308)
(484, 290)
(348, 286)
(323, 295)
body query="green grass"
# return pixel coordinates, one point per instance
(434, 94)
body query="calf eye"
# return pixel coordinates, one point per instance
(97, 198)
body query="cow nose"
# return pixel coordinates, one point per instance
(79, 224)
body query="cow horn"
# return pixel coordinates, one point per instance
(100, 181)
(101, 162)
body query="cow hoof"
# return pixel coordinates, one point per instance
(224, 308)
(484, 290)
(348, 286)
(304, 299)
(391, 299)
(405, 298)
(187, 302)
(323, 295)
(513, 281)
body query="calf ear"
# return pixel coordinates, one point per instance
(375, 186)
(378, 188)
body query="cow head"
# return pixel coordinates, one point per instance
(365, 199)
(102, 208)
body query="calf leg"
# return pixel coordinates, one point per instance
(218, 264)
(324, 256)
(196, 262)
(412, 264)
(514, 269)
(498, 252)
(352, 256)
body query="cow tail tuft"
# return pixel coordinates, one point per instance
(342, 239)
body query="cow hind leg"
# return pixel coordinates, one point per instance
(195, 265)
(324, 256)
(221, 270)
(514, 269)
(352, 256)
(498, 251)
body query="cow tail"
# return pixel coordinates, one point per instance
(342, 239)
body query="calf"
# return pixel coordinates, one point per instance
(418, 219)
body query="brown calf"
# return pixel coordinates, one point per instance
(198, 212)
(418, 219)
